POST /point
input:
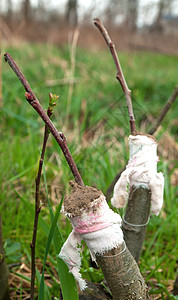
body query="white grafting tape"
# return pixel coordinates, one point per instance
(99, 228)
(141, 171)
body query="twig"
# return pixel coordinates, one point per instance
(120, 76)
(37, 201)
(33, 101)
(165, 109)
(4, 272)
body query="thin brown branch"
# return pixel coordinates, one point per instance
(33, 101)
(164, 111)
(4, 271)
(19, 74)
(120, 76)
(37, 208)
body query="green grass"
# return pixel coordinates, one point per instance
(95, 122)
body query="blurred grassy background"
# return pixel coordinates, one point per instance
(92, 113)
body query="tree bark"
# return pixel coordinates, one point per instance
(122, 274)
(175, 287)
(137, 213)
(4, 289)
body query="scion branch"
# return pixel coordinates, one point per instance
(120, 76)
(33, 101)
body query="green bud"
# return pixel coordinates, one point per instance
(52, 101)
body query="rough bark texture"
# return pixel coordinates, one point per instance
(4, 290)
(122, 274)
(175, 288)
(137, 212)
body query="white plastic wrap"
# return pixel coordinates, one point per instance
(141, 171)
(99, 228)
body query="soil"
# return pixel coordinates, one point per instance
(80, 199)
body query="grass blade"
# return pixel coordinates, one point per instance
(46, 289)
(49, 240)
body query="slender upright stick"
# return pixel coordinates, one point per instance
(4, 272)
(120, 76)
(33, 101)
(37, 206)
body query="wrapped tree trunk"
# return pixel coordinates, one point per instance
(4, 289)
(95, 223)
(152, 130)
(146, 188)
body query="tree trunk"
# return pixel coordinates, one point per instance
(124, 285)
(131, 19)
(4, 290)
(136, 217)
(27, 11)
(95, 223)
(71, 13)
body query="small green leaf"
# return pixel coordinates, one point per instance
(12, 250)
(52, 101)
